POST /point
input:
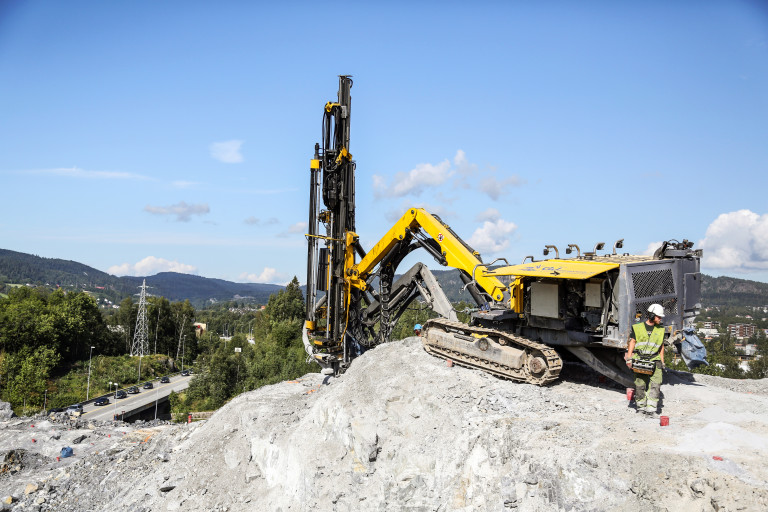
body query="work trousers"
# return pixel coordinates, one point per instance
(648, 388)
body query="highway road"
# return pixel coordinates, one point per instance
(137, 401)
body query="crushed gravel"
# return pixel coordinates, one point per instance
(403, 431)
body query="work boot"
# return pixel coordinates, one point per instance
(650, 410)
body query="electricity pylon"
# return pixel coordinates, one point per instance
(140, 346)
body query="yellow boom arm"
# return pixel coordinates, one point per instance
(455, 252)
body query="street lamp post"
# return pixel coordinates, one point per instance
(88, 392)
(183, 343)
(157, 393)
(238, 350)
(114, 411)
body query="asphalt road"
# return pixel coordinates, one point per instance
(131, 402)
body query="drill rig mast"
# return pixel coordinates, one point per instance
(361, 302)
(332, 179)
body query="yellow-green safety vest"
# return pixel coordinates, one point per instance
(648, 344)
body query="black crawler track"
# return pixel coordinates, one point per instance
(485, 349)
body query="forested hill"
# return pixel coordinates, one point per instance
(729, 291)
(21, 268)
(18, 267)
(176, 287)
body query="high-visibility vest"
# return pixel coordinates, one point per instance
(644, 344)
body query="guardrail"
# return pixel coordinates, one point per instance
(202, 415)
(111, 394)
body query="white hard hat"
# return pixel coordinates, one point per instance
(657, 310)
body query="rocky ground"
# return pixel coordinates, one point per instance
(403, 431)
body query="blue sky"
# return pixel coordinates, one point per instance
(138, 137)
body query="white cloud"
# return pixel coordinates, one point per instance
(651, 248)
(420, 177)
(428, 178)
(76, 172)
(379, 185)
(151, 266)
(182, 210)
(255, 221)
(268, 275)
(492, 236)
(414, 182)
(495, 188)
(462, 164)
(491, 214)
(737, 241)
(299, 227)
(227, 151)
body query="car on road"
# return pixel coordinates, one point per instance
(133, 390)
(148, 385)
(75, 410)
(121, 394)
(101, 401)
(164, 380)
(185, 373)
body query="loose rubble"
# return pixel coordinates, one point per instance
(403, 431)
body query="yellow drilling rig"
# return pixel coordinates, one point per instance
(528, 315)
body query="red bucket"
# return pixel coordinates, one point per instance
(449, 363)
(664, 421)
(630, 393)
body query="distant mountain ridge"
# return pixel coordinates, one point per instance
(176, 287)
(730, 291)
(22, 268)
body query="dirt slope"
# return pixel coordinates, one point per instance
(402, 431)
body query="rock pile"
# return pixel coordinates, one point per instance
(6, 412)
(403, 431)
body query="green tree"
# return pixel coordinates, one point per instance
(126, 319)
(276, 354)
(758, 368)
(68, 323)
(185, 341)
(24, 375)
(287, 304)
(161, 326)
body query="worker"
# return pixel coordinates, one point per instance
(417, 330)
(646, 343)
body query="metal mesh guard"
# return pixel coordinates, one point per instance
(653, 283)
